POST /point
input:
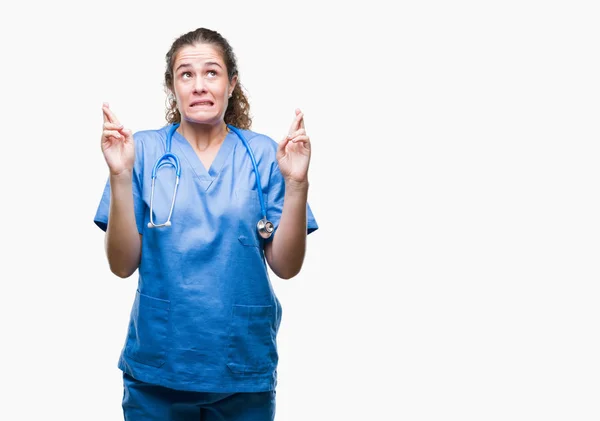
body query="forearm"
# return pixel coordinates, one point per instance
(289, 243)
(123, 242)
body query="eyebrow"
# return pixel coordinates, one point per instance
(208, 63)
(182, 66)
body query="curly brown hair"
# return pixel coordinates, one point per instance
(238, 108)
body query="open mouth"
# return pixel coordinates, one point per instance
(202, 104)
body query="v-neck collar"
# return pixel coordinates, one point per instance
(205, 177)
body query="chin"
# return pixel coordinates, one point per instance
(203, 118)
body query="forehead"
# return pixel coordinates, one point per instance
(198, 53)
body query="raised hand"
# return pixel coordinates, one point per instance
(293, 153)
(117, 143)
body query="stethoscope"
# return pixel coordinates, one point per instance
(264, 227)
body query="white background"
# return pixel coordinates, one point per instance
(454, 178)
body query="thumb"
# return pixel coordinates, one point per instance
(128, 134)
(281, 147)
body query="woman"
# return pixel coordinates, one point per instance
(201, 342)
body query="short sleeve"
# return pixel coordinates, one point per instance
(275, 197)
(101, 217)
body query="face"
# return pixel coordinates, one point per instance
(201, 85)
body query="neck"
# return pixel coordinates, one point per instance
(203, 136)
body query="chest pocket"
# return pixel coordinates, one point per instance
(247, 204)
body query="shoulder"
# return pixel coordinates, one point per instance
(149, 136)
(150, 142)
(261, 144)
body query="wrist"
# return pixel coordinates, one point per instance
(293, 186)
(125, 176)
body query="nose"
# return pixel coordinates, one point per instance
(199, 85)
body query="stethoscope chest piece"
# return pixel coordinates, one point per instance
(265, 228)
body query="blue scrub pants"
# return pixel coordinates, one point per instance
(147, 402)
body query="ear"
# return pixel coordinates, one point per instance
(232, 85)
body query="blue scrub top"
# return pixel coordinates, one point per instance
(205, 316)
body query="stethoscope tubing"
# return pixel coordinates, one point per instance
(265, 227)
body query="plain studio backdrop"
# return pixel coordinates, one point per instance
(454, 177)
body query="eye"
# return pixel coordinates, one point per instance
(212, 73)
(186, 75)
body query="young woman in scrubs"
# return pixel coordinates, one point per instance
(201, 343)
